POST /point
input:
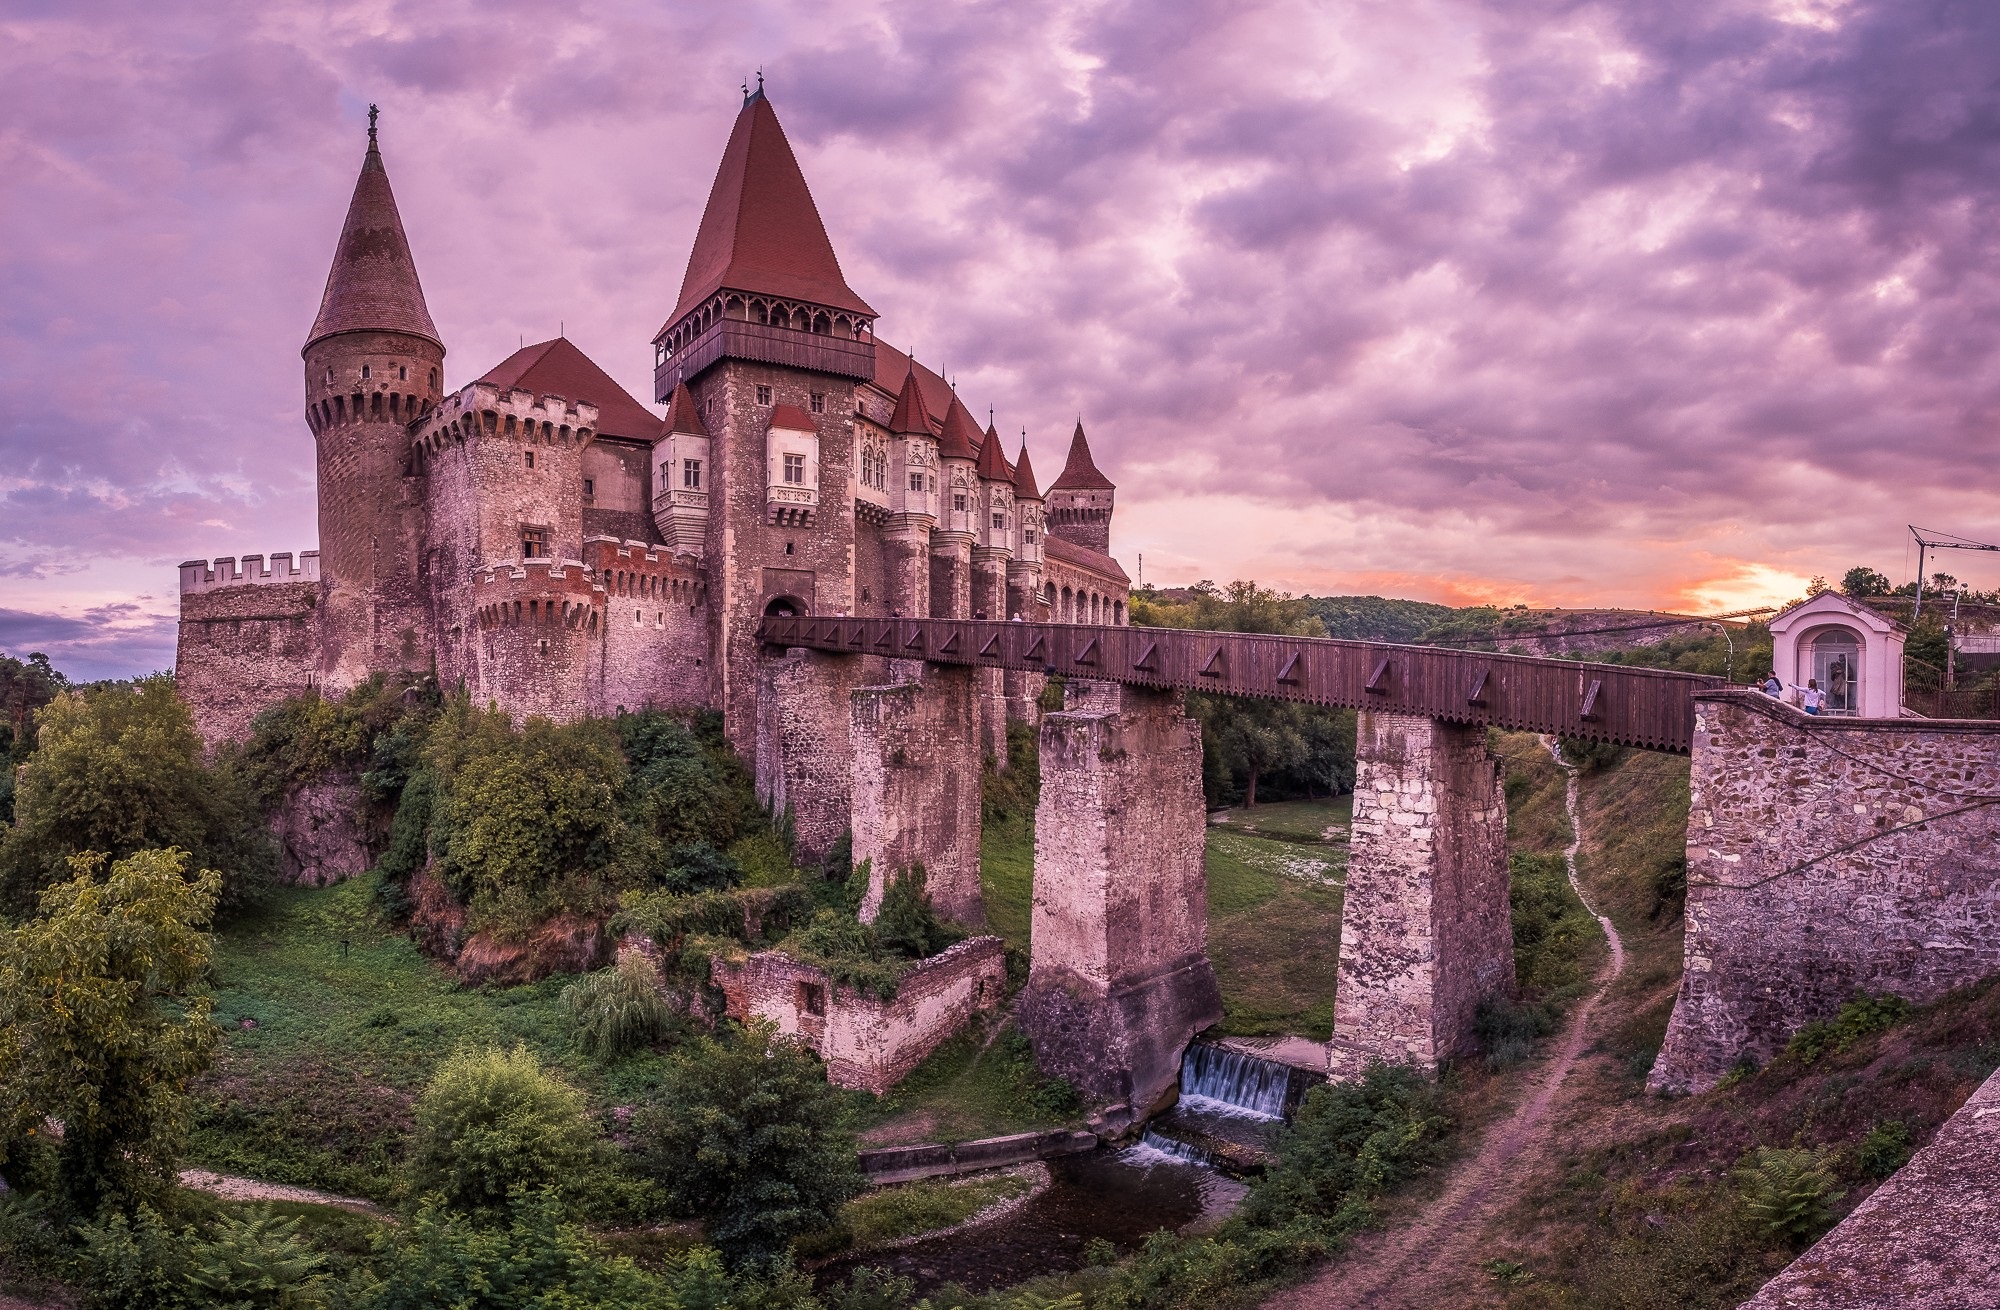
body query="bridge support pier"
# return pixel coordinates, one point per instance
(915, 759)
(803, 760)
(1425, 933)
(1120, 980)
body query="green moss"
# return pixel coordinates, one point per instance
(891, 1213)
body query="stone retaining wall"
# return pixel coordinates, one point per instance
(1825, 857)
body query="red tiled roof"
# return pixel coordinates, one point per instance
(558, 368)
(911, 415)
(992, 463)
(1024, 476)
(793, 419)
(960, 438)
(1082, 557)
(1080, 472)
(682, 414)
(892, 367)
(761, 230)
(372, 286)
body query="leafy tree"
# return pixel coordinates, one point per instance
(905, 923)
(24, 688)
(524, 823)
(748, 1135)
(117, 770)
(534, 1261)
(618, 1009)
(100, 992)
(494, 1123)
(1252, 738)
(1863, 581)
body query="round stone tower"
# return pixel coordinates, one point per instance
(374, 364)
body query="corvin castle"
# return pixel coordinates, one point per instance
(551, 545)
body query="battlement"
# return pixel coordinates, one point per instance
(507, 413)
(634, 568)
(199, 575)
(537, 591)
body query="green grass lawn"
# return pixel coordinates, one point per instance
(1007, 877)
(1307, 821)
(350, 1022)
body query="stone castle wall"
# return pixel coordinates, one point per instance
(867, 1042)
(654, 649)
(1827, 856)
(803, 761)
(914, 747)
(248, 638)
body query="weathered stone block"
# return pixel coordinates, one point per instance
(803, 759)
(1869, 860)
(916, 787)
(320, 835)
(1120, 980)
(1425, 932)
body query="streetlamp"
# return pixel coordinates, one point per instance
(1729, 663)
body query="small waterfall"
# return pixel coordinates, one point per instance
(1217, 1079)
(1155, 1149)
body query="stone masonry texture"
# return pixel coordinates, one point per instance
(1929, 1237)
(916, 788)
(1426, 933)
(1825, 857)
(867, 1042)
(804, 762)
(1120, 980)
(243, 649)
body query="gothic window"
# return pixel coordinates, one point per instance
(434, 377)
(818, 402)
(1029, 536)
(999, 520)
(534, 543)
(795, 469)
(691, 474)
(958, 502)
(763, 394)
(364, 373)
(916, 482)
(402, 373)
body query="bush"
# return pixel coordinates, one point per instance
(1347, 1144)
(846, 950)
(618, 1009)
(534, 1261)
(906, 924)
(1857, 1019)
(1788, 1193)
(493, 1123)
(698, 867)
(748, 1135)
(1507, 1030)
(1884, 1150)
(248, 1262)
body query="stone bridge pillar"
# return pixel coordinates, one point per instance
(914, 753)
(1120, 979)
(803, 760)
(1425, 933)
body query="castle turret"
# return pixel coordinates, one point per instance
(1080, 502)
(958, 487)
(993, 531)
(1024, 571)
(906, 539)
(373, 364)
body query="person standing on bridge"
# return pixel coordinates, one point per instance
(1811, 698)
(1773, 687)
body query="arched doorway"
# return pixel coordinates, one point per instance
(784, 607)
(1835, 660)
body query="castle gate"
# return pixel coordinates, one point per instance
(1120, 978)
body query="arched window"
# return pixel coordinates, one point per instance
(1834, 660)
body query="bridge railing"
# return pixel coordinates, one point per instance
(1648, 708)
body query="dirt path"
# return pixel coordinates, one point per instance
(231, 1188)
(1416, 1265)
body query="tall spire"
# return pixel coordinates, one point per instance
(911, 416)
(372, 286)
(960, 439)
(1080, 472)
(1024, 475)
(992, 462)
(761, 231)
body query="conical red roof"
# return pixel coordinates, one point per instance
(1080, 472)
(1024, 475)
(960, 439)
(912, 415)
(761, 231)
(682, 414)
(993, 464)
(558, 368)
(372, 286)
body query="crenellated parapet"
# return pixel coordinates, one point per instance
(482, 409)
(200, 575)
(640, 571)
(538, 592)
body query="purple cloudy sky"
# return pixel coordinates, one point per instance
(1639, 303)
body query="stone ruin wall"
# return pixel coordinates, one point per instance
(1425, 931)
(1827, 856)
(322, 833)
(803, 762)
(866, 1042)
(654, 650)
(249, 637)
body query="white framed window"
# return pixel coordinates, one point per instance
(691, 474)
(958, 502)
(999, 520)
(916, 482)
(795, 469)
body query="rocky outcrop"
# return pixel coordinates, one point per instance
(321, 833)
(567, 943)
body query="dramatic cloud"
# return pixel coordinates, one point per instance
(1572, 302)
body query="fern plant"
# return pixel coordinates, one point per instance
(1789, 1192)
(618, 1009)
(259, 1262)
